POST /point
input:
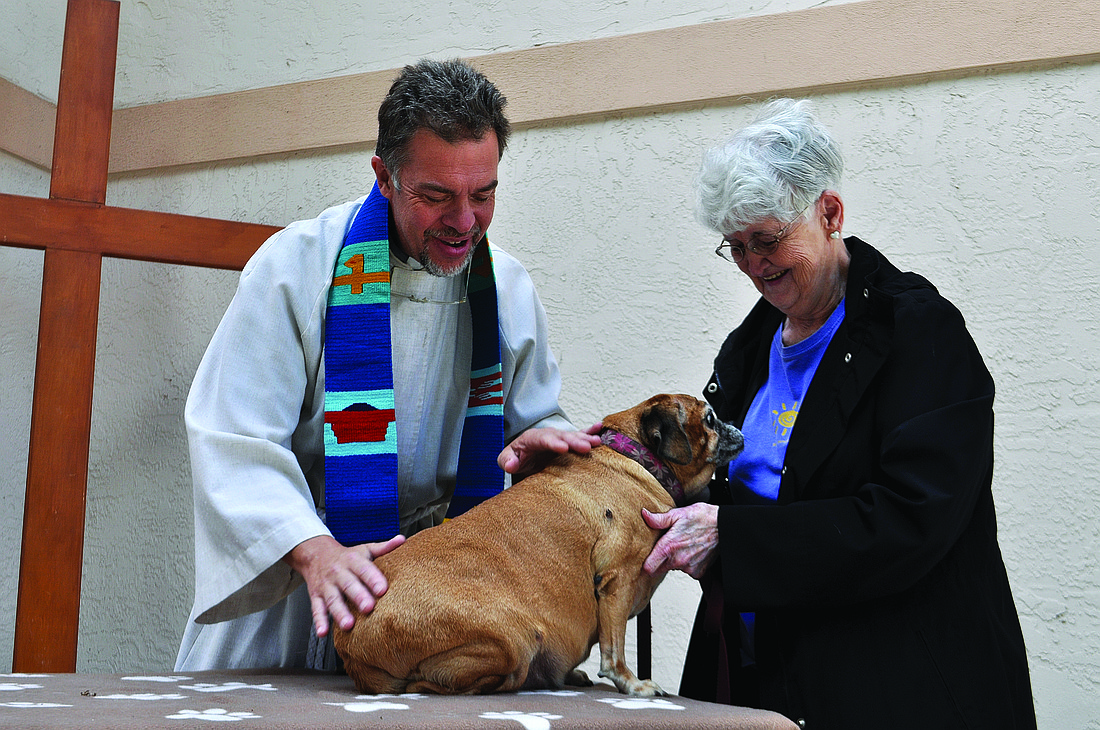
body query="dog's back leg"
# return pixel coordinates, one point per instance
(481, 666)
(578, 678)
(372, 680)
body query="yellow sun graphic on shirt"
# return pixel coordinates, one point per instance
(784, 420)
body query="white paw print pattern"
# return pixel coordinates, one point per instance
(529, 720)
(374, 703)
(166, 680)
(374, 706)
(142, 696)
(31, 705)
(213, 715)
(640, 703)
(552, 692)
(17, 686)
(226, 687)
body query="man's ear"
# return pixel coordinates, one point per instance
(385, 179)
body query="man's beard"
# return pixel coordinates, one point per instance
(434, 268)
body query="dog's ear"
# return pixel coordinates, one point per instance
(662, 424)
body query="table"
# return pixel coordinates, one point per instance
(267, 700)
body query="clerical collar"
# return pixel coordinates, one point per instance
(416, 284)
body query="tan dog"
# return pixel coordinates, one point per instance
(514, 593)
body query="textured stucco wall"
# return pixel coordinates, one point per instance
(986, 184)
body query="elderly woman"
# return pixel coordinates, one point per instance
(858, 525)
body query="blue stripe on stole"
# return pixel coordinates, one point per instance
(358, 371)
(345, 514)
(363, 362)
(361, 477)
(479, 479)
(478, 476)
(482, 293)
(371, 225)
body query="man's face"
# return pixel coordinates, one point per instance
(446, 199)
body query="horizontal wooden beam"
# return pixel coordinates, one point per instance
(128, 233)
(817, 50)
(27, 131)
(303, 116)
(820, 48)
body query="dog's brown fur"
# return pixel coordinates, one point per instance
(514, 593)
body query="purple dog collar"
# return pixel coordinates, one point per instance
(630, 448)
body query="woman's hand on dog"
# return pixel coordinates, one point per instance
(690, 543)
(337, 575)
(532, 449)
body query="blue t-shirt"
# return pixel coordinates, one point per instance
(771, 416)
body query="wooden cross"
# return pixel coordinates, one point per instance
(76, 230)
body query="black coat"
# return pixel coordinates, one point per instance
(880, 594)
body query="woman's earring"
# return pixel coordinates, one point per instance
(834, 235)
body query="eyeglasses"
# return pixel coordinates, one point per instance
(761, 244)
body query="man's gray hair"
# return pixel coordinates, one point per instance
(449, 98)
(773, 168)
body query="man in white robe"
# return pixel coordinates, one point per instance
(265, 561)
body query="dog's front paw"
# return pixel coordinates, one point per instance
(629, 684)
(643, 688)
(578, 678)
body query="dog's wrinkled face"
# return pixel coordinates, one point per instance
(728, 439)
(684, 432)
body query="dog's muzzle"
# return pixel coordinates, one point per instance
(731, 442)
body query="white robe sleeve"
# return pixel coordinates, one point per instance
(253, 422)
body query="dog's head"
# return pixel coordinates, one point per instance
(684, 434)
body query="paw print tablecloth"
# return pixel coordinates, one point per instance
(267, 701)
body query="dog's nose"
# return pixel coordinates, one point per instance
(731, 442)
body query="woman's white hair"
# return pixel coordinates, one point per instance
(773, 168)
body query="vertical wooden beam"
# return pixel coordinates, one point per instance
(48, 610)
(47, 615)
(85, 98)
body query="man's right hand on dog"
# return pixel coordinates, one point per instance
(337, 575)
(532, 449)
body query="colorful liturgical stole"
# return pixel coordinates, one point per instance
(360, 425)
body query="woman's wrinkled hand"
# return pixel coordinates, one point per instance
(690, 542)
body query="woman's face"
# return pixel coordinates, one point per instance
(804, 276)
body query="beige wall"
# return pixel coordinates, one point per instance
(881, 42)
(973, 147)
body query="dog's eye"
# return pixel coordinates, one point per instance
(709, 419)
